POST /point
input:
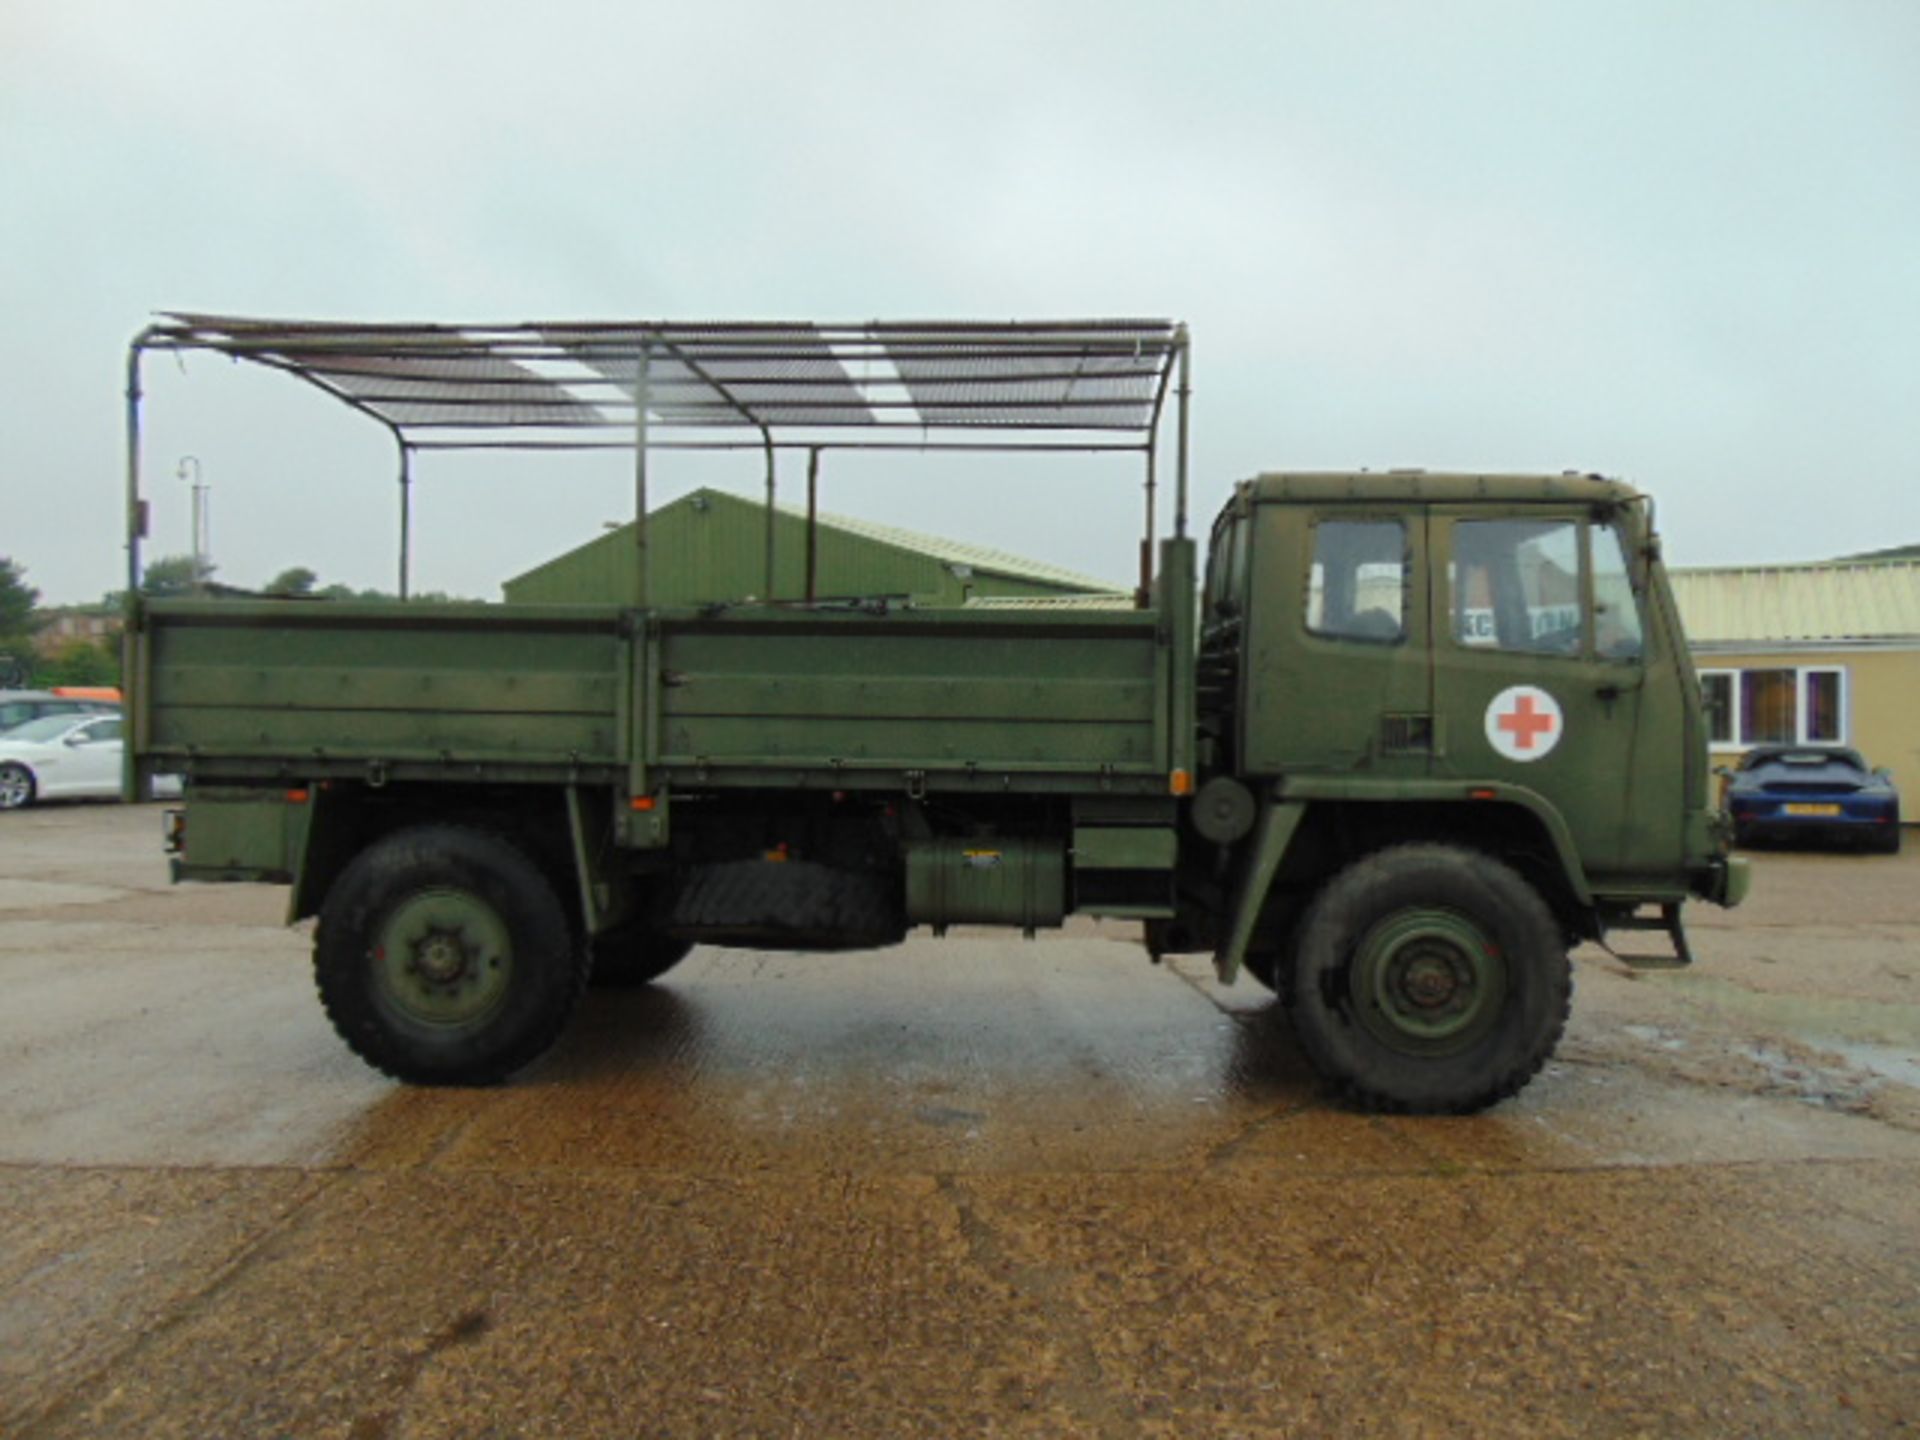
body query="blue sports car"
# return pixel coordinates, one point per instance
(1827, 792)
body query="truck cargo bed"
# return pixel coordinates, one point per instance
(245, 690)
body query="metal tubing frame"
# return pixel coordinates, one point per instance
(813, 523)
(982, 447)
(269, 346)
(770, 520)
(1184, 394)
(136, 530)
(642, 396)
(406, 515)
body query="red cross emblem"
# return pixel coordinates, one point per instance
(1523, 722)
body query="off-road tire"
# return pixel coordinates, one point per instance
(489, 911)
(632, 955)
(1429, 979)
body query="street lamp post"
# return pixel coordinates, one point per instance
(200, 546)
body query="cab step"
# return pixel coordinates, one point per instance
(1667, 922)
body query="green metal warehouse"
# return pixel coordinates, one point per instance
(710, 546)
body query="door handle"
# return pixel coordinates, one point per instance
(1612, 690)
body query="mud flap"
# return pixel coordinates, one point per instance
(1278, 820)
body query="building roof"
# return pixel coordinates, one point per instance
(983, 560)
(948, 552)
(1828, 601)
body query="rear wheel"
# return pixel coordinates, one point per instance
(1429, 978)
(444, 957)
(16, 787)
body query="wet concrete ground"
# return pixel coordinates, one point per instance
(975, 1186)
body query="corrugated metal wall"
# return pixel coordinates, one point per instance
(710, 546)
(1735, 605)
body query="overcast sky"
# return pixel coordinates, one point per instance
(1677, 242)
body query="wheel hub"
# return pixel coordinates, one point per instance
(1430, 982)
(1427, 981)
(443, 957)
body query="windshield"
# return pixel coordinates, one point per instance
(47, 727)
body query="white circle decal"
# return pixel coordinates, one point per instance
(1524, 722)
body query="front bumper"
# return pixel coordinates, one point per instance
(1725, 881)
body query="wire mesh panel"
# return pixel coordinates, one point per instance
(1066, 384)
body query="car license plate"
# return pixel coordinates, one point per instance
(1812, 809)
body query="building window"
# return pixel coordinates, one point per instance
(1775, 705)
(1716, 694)
(1767, 708)
(1820, 706)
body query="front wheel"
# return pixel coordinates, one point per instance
(16, 787)
(1430, 979)
(443, 957)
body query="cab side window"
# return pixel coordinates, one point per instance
(1616, 617)
(1515, 585)
(1357, 584)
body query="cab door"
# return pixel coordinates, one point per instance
(1538, 671)
(1339, 679)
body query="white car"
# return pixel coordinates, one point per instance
(58, 757)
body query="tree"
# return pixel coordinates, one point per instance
(174, 575)
(17, 599)
(298, 580)
(82, 662)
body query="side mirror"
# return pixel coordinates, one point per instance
(1723, 772)
(75, 741)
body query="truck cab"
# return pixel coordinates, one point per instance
(1476, 657)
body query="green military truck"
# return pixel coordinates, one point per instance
(1404, 741)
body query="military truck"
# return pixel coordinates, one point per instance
(1405, 740)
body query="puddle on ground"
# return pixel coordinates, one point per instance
(1900, 1064)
